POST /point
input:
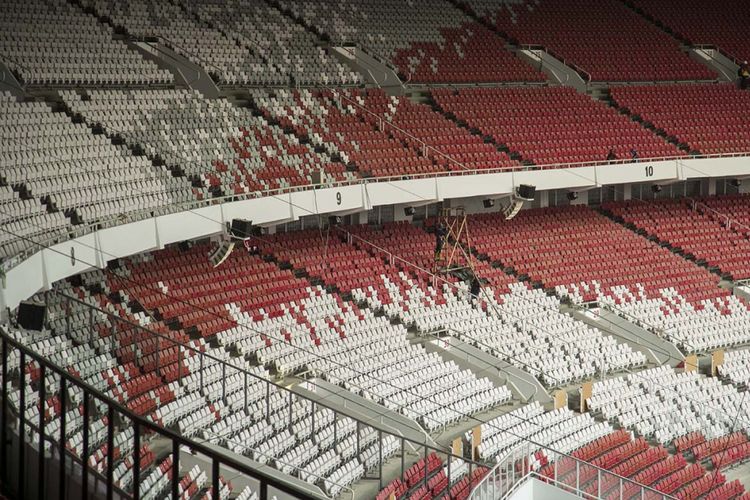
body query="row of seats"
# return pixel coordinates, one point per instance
(704, 117)
(665, 405)
(58, 174)
(686, 229)
(284, 46)
(223, 145)
(583, 33)
(427, 43)
(35, 47)
(690, 21)
(170, 23)
(736, 367)
(552, 125)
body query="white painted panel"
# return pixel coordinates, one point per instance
(128, 239)
(24, 280)
(260, 210)
(389, 193)
(636, 172)
(71, 257)
(558, 178)
(332, 200)
(463, 186)
(715, 167)
(188, 225)
(303, 204)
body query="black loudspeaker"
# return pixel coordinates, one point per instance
(488, 203)
(526, 192)
(31, 316)
(409, 211)
(316, 177)
(241, 228)
(335, 220)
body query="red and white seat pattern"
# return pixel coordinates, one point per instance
(428, 43)
(585, 256)
(285, 47)
(204, 44)
(552, 125)
(703, 116)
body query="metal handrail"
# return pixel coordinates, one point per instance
(228, 368)
(584, 74)
(115, 407)
(506, 474)
(84, 229)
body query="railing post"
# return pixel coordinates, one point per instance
(201, 368)
(43, 405)
(312, 417)
(403, 454)
(110, 450)
(215, 478)
(175, 469)
(598, 483)
(425, 466)
(85, 454)
(224, 383)
(268, 400)
(291, 413)
(245, 387)
(380, 459)
(61, 448)
(3, 414)
(136, 461)
(90, 336)
(22, 427)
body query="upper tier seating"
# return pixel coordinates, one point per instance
(603, 37)
(552, 125)
(586, 257)
(428, 42)
(281, 42)
(675, 222)
(356, 126)
(723, 25)
(664, 405)
(57, 173)
(35, 42)
(224, 147)
(706, 117)
(197, 40)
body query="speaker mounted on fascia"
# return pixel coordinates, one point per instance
(522, 194)
(222, 248)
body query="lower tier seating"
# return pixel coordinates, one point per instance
(665, 405)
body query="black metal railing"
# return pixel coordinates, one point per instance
(144, 343)
(16, 476)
